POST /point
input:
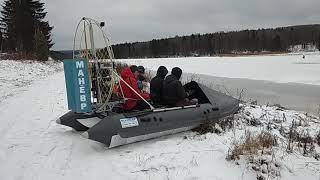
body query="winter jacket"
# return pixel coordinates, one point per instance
(156, 85)
(172, 92)
(132, 97)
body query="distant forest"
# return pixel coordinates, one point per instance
(233, 42)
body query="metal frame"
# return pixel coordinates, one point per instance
(103, 104)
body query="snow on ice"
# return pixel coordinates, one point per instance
(277, 68)
(33, 146)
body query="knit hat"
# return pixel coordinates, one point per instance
(162, 72)
(141, 69)
(177, 72)
(133, 68)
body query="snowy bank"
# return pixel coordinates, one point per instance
(17, 74)
(275, 142)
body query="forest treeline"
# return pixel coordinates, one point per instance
(233, 42)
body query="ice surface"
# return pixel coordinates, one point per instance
(277, 68)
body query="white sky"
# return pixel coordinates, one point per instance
(140, 20)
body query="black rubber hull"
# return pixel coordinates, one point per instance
(120, 129)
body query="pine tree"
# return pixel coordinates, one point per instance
(276, 43)
(41, 49)
(319, 42)
(1, 41)
(19, 21)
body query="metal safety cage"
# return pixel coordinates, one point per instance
(88, 37)
(92, 43)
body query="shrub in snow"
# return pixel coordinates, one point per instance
(41, 49)
(318, 138)
(258, 151)
(252, 145)
(262, 134)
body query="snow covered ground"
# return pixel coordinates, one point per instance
(287, 68)
(16, 74)
(33, 146)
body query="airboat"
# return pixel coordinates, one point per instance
(95, 110)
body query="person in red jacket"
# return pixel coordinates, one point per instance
(134, 102)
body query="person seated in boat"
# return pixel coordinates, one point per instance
(134, 101)
(141, 77)
(156, 85)
(143, 83)
(173, 92)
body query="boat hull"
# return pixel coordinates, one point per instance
(125, 128)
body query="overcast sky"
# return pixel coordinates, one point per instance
(140, 20)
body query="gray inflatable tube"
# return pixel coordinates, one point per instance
(118, 129)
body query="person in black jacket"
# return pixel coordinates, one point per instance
(173, 92)
(156, 85)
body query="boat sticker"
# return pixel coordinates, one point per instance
(129, 122)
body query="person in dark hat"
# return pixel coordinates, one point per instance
(156, 85)
(140, 77)
(173, 92)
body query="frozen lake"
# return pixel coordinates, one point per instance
(277, 68)
(288, 79)
(297, 96)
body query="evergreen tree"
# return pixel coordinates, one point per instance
(276, 43)
(19, 21)
(1, 41)
(41, 49)
(319, 42)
